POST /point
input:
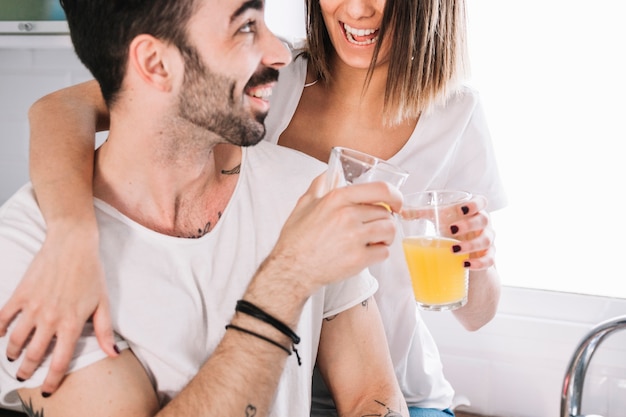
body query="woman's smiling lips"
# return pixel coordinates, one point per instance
(360, 37)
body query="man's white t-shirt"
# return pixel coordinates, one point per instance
(450, 148)
(171, 297)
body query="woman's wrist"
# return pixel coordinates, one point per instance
(83, 227)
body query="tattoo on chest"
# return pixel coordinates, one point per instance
(250, 410)
(204, 230)
(28, 409)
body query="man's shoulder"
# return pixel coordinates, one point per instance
(281, 160)
(21, 205)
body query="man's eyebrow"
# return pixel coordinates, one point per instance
(250, 4)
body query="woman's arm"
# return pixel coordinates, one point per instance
(62, 130)
(64, 286)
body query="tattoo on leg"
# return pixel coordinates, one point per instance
(389, 413)
(28, 409)
(250, 410)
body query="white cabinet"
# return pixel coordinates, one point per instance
(35, 41)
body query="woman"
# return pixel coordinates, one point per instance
(378, 76)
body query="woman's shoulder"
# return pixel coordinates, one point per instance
(463, 96)
(460, 104)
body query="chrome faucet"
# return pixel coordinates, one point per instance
(571, 396)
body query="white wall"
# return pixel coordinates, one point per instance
(286, 18)
(26, 75)
(551, 75)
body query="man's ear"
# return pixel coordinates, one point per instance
(153, 61)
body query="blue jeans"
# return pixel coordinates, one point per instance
(429, 412)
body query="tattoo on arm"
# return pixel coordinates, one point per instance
(364, 303)
(28, 409)
(331, 318)
(389, 413)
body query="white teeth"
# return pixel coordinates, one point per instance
(358, 32)
(264, 93)
(352, 32)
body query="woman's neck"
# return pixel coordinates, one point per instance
(352, 85)
(340, 112)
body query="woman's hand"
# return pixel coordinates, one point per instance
(476, 234)
(63, 287)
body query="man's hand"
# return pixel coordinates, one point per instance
(331, 237)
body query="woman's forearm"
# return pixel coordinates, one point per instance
(62, 139)
(482, 300)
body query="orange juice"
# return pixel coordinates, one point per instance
(438, 275)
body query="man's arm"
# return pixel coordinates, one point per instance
(113, 386)
(324, 240)
(239, 379)
(355, 362)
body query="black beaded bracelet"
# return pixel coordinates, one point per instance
(250, 309)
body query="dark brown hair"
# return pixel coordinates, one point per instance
(102, 30)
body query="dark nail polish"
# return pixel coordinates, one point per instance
(456, 248)
(467, 264)
(454, 229)
(10, 359)
(116, 349)
(20, 379)
(465, 209)
(45, 394)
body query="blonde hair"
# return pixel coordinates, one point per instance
(427, 57)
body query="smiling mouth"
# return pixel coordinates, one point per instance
(262, 92)
(360, 37)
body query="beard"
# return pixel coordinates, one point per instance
(208, 101)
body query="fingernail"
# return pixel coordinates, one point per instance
(116, 349)
(467, 264)
(454, 229)
(456, 248)
(465, 209)
(45, 394)
(10, 359)
(20, 379)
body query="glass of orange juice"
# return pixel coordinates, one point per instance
(348, 166)
(438, 275)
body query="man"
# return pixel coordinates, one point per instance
(185, 237)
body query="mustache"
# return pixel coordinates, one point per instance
(267, 75)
